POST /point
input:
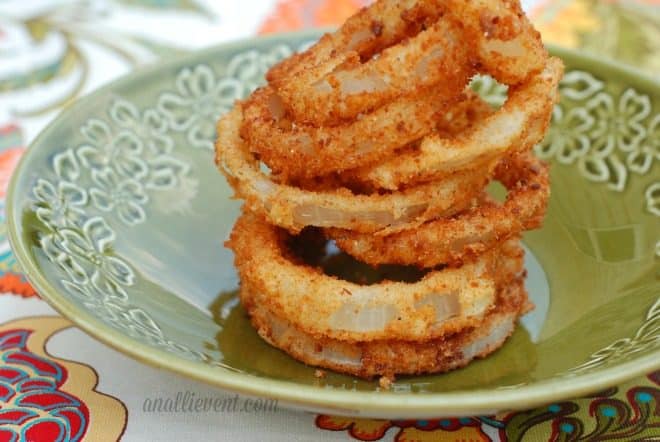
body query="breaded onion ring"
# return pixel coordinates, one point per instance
(516, 127)
(469, 109)
(346, 87)
(297, 150)
(461, 238)
(293, 208)
(390, 357)
(442, 302)
(330, 82)
(333, 112)
(368, 31)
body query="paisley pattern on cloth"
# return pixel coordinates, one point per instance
(47, 399)
(630, 412)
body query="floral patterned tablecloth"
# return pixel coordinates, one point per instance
(56, 383)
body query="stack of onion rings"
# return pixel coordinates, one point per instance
(372, 138)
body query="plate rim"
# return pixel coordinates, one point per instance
(339, 401)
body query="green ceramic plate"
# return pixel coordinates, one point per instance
(118, 216)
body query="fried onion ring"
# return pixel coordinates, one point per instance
(375, 106)
(460, 117)
(390, 357)
(347, 87)
(301, 151)
(330, 82)
(369, 30)
(442, 302)
(516, 127)
(362, 36)
(454, 240)
(293, 208)
(297, 150)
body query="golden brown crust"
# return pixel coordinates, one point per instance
(392, 357)
(516, 127)
(294, 208)
(340, 107)
(442, 302)
(469, 234)
(423, 36)
(294, 150)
